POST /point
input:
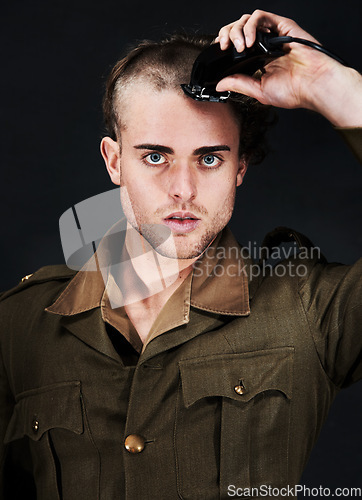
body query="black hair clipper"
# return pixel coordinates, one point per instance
(213, 64)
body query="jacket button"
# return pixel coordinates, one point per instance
(239, 389)
(26, 277)
(35, 426)
(134, 443)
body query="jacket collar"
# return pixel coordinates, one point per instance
(219, 283)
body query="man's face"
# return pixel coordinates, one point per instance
(178, 168)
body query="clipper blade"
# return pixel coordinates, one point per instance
(203, 94)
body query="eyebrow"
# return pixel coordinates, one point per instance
(210, 149)
(197, 152)
(155, 147)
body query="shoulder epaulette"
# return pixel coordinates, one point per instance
(44, 274)
(284, 234)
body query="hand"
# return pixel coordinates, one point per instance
(303, 78)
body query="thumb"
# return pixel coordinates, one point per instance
(241, 84)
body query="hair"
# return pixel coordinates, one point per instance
(165, 65)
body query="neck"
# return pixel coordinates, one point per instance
(145, 273)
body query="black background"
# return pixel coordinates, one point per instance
(55, 57)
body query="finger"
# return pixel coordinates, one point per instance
(236, 33)
(223, 36)
(260, 19)
(241, 84)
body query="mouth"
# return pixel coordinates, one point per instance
(182, 222)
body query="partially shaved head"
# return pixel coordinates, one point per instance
(165, 65)
(162, 65)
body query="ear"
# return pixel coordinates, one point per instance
(111, 156)
(243, 166)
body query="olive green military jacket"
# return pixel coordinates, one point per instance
(232, 388)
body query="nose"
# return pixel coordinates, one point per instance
(182, 184)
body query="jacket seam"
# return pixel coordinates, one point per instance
(87, 426)
(219, 311)
(309, 323)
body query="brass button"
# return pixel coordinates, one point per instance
(35, 426)
(239, 389)
(26, 277)
(134, 443)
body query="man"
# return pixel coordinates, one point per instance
(181, 375)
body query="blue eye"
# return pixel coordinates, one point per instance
(210, 161)
(155, 159)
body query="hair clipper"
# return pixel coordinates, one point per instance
(213, 64)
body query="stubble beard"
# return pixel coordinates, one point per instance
(177, 246)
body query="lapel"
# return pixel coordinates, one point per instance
(90, 328)
(199, 322)
(218, 286)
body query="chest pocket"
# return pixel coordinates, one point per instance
(53, 419)
(233, 419)
(39, 410)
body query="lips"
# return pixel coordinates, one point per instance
(182, 216)
(182, 222)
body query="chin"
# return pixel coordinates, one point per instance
(177, 246)
(180, 247)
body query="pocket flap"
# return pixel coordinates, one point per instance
(48, 407)
(237, 376)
